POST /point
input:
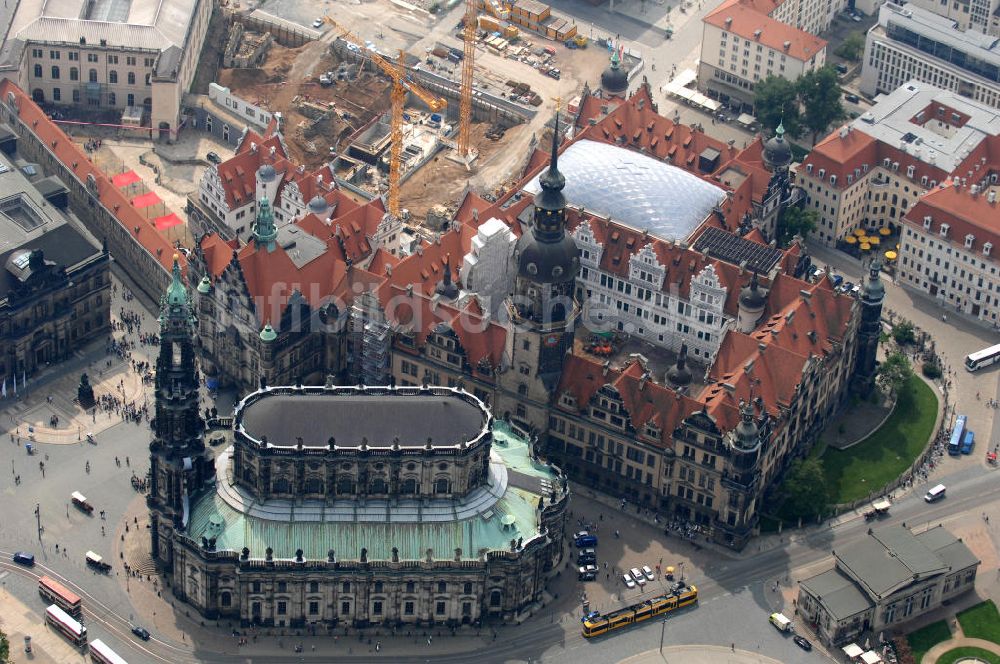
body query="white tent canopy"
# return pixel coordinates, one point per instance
(852, 650)
(870, 657)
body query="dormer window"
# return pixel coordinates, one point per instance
(850, 178)
(969, 239)
(833, 179)
(923, 180)
(987, 248)
(944, 230)
(822, 173)
(933, 183)
(895, 166)
(927, 222)
(886, 162)
(652, 431)
(864, 168)
(909, 171)
(809, 168)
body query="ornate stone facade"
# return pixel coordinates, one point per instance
(352, 505)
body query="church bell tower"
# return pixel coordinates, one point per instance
(542, 311)
(179, 466)
(866, 364)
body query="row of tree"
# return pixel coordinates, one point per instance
(812, 103)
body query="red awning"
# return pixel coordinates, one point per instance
(125, 179)
(167, 221)
(147, 199)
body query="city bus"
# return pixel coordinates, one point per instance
(102, 654)
(982, 358)
(596, 623)
(66, 625)
(56, 593)
(955, 442)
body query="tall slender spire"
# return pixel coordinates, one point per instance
(175, 305)
(550, 203)
(264, 231)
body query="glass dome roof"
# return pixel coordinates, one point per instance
(637, 190)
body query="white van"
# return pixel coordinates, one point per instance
(780, 621)
(935, 494)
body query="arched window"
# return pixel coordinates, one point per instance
(225, 598)
(378, 485)
(441, 486)
(112, 76)
(92, 76)
(131, 78)
(74, 74)
(112, 98)
(314, 485)
(248, 476)
(345, 486)
(131, 99)
(38, 71)
(55, 72)
(495, 597)
(280, 485)
(409, 486)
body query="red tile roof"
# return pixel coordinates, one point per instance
(965, 215)
(749, 22)
(142, 230)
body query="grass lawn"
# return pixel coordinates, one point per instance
(981, 621)
(957, 654)
(857, 471)
(927, 637)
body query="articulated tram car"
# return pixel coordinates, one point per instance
(597, 624)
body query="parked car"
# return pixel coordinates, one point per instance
(588, 572)
(854, 99)
(582, 533)
(214, 158)
(24, 558)
(638, 576)
(588, 540)
(318, 23)
(141, 632)
(841, 68)
(554, 73)
(846, 287)
(629, 581)
(802, 642)
(648, 572)
(586, 557)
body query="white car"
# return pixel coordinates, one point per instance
(638, 576)
(582, 533)
(629, 581)
(318, 23)
(648, 572)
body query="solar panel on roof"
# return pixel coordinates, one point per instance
(735, 249)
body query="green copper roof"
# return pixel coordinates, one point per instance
(205, 285)
(264, 230)
(309, 530)
(176, 292)
(268, 333)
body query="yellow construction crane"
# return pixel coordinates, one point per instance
(401, 84)
(468, 68)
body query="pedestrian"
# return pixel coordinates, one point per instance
(732, 647)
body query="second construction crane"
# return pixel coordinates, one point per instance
(468, 69)
(401, 85)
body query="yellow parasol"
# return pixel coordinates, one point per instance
(884, 231)
(850, 239)
(865, 246)
(860, 232)
(874, 241)
(891, 255)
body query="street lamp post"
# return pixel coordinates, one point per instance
(38, 518)
(663, 629)
(682, 571)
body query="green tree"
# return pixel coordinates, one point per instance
(852, 48)
(805, 490)
(796, 221)
(820, 94)
(893, 373)
(903, 333)
(4, 649)
(776, 102)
